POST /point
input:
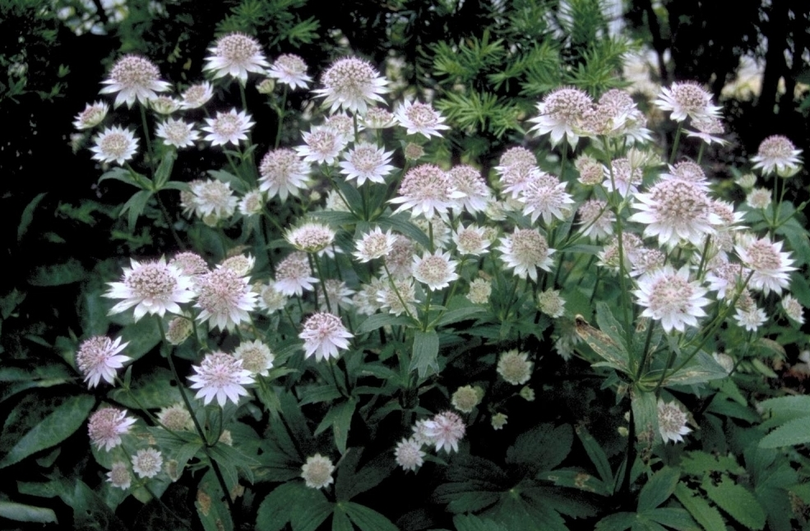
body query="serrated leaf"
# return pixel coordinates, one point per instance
(164, 170)
(460, 314)
(123, 175)
(336, 219)
(793, 432)
(645, 414)
(706, 515)
(134, 207)
(351, 482)
(28, 215)
(658, 489)
(702, 368)
(617, 522)
(314, 394)
(378, 320)
(470, 522)
(596, 454)
(26, 513)
(339, 417)
(53, 429)
(673, 517)
(786, 408)
(368, 519)
(340, 521)
(541, 448)
(737, 501)
(601, 343)
(280, 506)
(58, 274)
(425, 353)
(153, 390)
(517, 515)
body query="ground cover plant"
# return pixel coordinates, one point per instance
(473, 288)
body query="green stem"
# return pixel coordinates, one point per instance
(147, 137)
(282, 111)
(167, 218)
(676, 143)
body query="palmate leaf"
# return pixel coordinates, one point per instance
(737, 501)
(793, 432)
(541, 448)
(368, 519)
(518, 515)
(425, 353)
(706, 515)
(603, 344)
(293, 503)
(351, 482)
(473, 523)
(658, 489)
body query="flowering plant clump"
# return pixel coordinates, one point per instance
(570, 329)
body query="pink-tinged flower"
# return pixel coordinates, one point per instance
(686, 99)
(471, 190)
(777, 154)
(119, 476)
(337, 293)
(374, 244)
(225, 298)
(324, 335)
(97, 359)
(377, 118)
(152, 287)
(115, 144)
(323, 144)
(420, 118)
(222, 376)
(147, 463)
(708, 129)
(197, 95)
(560, 113)
(515, 155)
(311, 238)
(317, 471)
(228, 128)
(257, 358)
(471, 240)
(545, 196)
(622, 177)
(236, 54)
(436, 270)
(515, 178)
(134, 77)
(670, 297)
(409, 454)
(106, 427)
(291, 70)
(294, 275)
(283, 173)
(524, 251)
(211, 200)
(770, 266)
(671, 422)
(750, 317)
(91, 116)
(425, 189)
(793, 309)
(177, 133)
(366, 162)
(445, 430)
(351, 83)
(596, 219)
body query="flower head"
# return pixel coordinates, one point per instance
(196, 96)
(524, 251)
(212, 200)
(311, 237)
(106, 427)
(323, 144)
(317, 471)
(559, 115)
(686, 99)
(446, 430)
(409, 454)
(515, 367)
(622, 177)
(147, 463)
(545, 195)
(222, 376)
(378, 118)
(425, 189)
(134, 77)
(256, 357)
(97, 359)
(324, 335)
(152, 287)
(291, 70)
(225, 298)
(471, 191)
(671, 422)
(236, 54)
(759, 198)
(366, 162)
(668, 295)
(436, 270)
(270, 299)
(351, 83)
(375, 244)
(480, 290)
(177, 133)
(397, 298)
(777, 154)
(228, 127)
(283, 173)
(793, 309)
(92, 115)
(176, 417)
(420, 118)
(471, 240)
(551, 304)
(466, 398)
(251, 203)
(115, 144)
(769, 264)
(294, 275)
(119, 476)
(498, 421)
(596, 218)
(164, 104)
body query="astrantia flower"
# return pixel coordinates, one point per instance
(409, 454)
(770, 266)
(92, 115)
(609, 256)
(337, 293)
(241, 264)
(147, 463)
(515, 155)
(164, 104)
(115, 144)
(228, 127)
(310, 237)
(793, 309)
(400, 260)
(671, 422)
(446, 430)
(480, 290)
(291, 70)
(596, 219)
(622, 177)
(687, 170)
(324, 335)
(546, 196)
(777, 154)
(323, 144)
(236, 54)
(724, 278)
(425, 189)
(498, 421)
(471, 191)
(374, 244)
(708, 129)
(377, 118)
(294, 275)
(342, 124)
(471, 240)
(524, 251)
(591, 172)
(420, 118)
(106, 427)
(352, 84)
(366, 162)
(515, 367)
(222, 376)
(675, 211)
(515, 178)
(251, 203)
(97, 359)
(466, 398)
(550, 303)
(197, 95)
(225, 298)
(152, 287)
(213, 198)
(668, 296)
(256, 357)
(397, 296)
(436, 270)
(750, 317)
(176, 417)
(270, 299)
(134, 77)
(119, 476)
(365, 300)
(177, 133)
(559, 114)
(317, 471)
(282, 173)
(759, 198)
(189, 264)
(686, 99)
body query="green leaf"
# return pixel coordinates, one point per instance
(673, 517)
(617, 522)
(58, 274)
(235, 182)
(469, 522)
(123, 175)
(335, 219)
(604, 345)
(460, 314)
(645, 413)
(402, 224)
(368, 519)
(737, 501)
(53, 429)
(378, 320)
(658, 489)
(351, 482)
(541, 448)
(314, 394)
(425, 353)
(164, 170)
(152, 390)
(706, 515)
(596, 454)
(793, 432)
(134, 206)
(701, 368)
(339, 417)
(211, 509)
(26, 513)
(28, 215)
(786, 408)
(142, 337)
(341, 522)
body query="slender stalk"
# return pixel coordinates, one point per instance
(168, 219)
(147, 137)
(676, 143)
(282, 111)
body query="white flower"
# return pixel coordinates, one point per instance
(668, 295)
(177, 133)
(256, 357)
(445, 430)
(351, 83)
(759, 198)
(377, 118)
(251, 203)
(115, 144)
(317, 471)
(750, 318)
(524, 251)
(471, 191)
(119, 476)
(97, 359)
(686, 99)
(515, 367)
(225, 298)
(197, 95)
(91, 116)
(409, 454)
(551, 303)
(777, 154)
(134, 77)
(283, 172)
(337, 293)
(236, 54)
(425, 189)
(311, 237)
(397, 296)
(270, 299)
(545, 195)
(222, 376)
(366, 162)
(291, 70)
(164, 104)
(769, 264)
(324, 335)
(323, 144)
(436, 270)
(375, 244)
(498, 421)
(596, 218)
(147, 462)
(228, 127)
(671, 422)
(471, 240)
(212, 199)
(420, 118)
(466, 398)
(707, 130)
(294, 275)
(152, 287)
(559, 114)
(176, 417)
(480, 290)
(622, 177)
(793, 309)
(106, 427)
